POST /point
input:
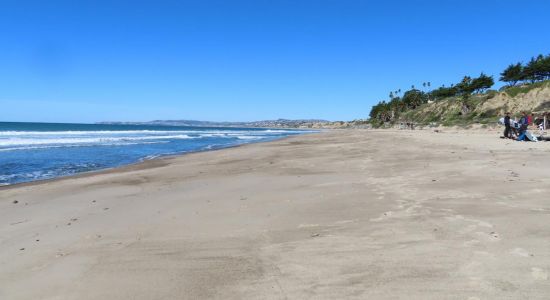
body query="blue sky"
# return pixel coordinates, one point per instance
(87, 61)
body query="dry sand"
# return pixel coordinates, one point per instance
(336, 215)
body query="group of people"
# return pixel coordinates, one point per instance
(518, 131)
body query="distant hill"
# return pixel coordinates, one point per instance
(279, 123)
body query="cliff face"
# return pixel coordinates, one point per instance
(483, 108)
(534, 100)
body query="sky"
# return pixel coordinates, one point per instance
(90, 61)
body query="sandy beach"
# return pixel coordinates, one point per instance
(350, 214)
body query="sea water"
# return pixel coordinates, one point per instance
(35, 151)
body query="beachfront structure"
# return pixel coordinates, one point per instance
(542, 116)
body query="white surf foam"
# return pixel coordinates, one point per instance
(84, 140)
(100, 132)
(25, 140)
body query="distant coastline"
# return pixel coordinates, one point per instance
(279, 123)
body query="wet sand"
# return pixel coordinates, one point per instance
(351, 214)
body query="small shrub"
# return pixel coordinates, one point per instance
(491, 94)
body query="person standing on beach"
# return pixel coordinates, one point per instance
(507, 128)
(523, 124)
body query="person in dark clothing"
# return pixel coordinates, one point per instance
(507, 128)
(523, 124)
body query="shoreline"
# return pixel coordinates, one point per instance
(348, 214)
(138, 165)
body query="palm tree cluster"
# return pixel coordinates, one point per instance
(388, 111)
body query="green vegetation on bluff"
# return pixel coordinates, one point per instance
(468, 101)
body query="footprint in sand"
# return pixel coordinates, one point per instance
(539, 274)
(382, 217)
(520, 252)
(492, 236)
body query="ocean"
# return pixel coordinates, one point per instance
(37, 151)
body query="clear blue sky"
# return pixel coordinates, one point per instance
(87, 61)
